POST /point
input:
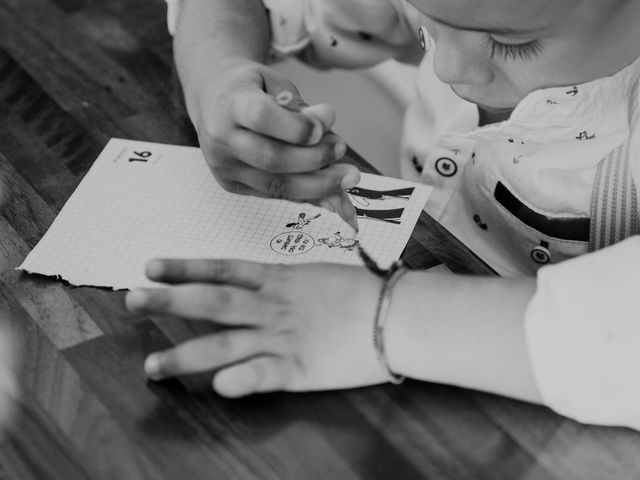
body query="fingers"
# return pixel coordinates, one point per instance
(341, 204)
(239, 273)
(275, 156)
(301, 186)
(260, 374)
(204, 353)
(274, 151)
(258, 111)
(196, 301)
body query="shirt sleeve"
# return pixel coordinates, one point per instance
(583, 335)
(342, 33)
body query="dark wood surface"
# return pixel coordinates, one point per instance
(74, 73)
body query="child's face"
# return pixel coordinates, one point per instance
(494, 52)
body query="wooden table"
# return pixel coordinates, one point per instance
(74, 73)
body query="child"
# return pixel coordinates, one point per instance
(517, 105)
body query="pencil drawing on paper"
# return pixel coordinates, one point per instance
(367, 202)
(292, 243)
(302, 221)
(364, 196)
(393, 215)
(194, 216)
(337, 240)
(297, 242)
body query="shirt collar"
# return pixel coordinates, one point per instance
(602, 100)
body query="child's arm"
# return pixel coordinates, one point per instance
(210, 35)
(312, 327)
(252, 144)
(568, 339)
(464, 330)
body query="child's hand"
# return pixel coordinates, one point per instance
(295, 328)
(255, 146)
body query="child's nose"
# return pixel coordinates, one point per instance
(460, 58)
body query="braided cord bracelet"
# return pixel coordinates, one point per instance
(389, 278)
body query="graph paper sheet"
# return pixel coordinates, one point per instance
(144, 200)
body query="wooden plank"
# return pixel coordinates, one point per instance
(563, 446)
(461, 441)
(36, 451)
(319, 429)
(162, 421)
(90, 74)
(145, 20)
(42, 141)
(75, 47)
(447, 248)
(45, 302)
(69, 423)
(48, 304)
(61, 424)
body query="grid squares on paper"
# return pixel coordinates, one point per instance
(124, 213)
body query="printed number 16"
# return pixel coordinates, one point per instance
(141, 156)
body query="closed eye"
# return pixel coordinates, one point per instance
(515, 51)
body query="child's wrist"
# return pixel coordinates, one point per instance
(396, 329)
(410, 314)
(389, 283)
(390, 277)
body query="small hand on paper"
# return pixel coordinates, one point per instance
(294, 328)
(256, 147)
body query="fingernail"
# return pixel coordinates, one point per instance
(152, 367)
(339, 150)
(350, 180)
(136, 299)
(155, 269)
(316, 134)
(354, 223)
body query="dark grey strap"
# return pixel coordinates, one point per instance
(614, 204)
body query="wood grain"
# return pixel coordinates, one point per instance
(74, 73)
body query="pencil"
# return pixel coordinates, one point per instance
(338, 203)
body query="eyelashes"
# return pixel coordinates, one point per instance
(507, 51)
(515, 51)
